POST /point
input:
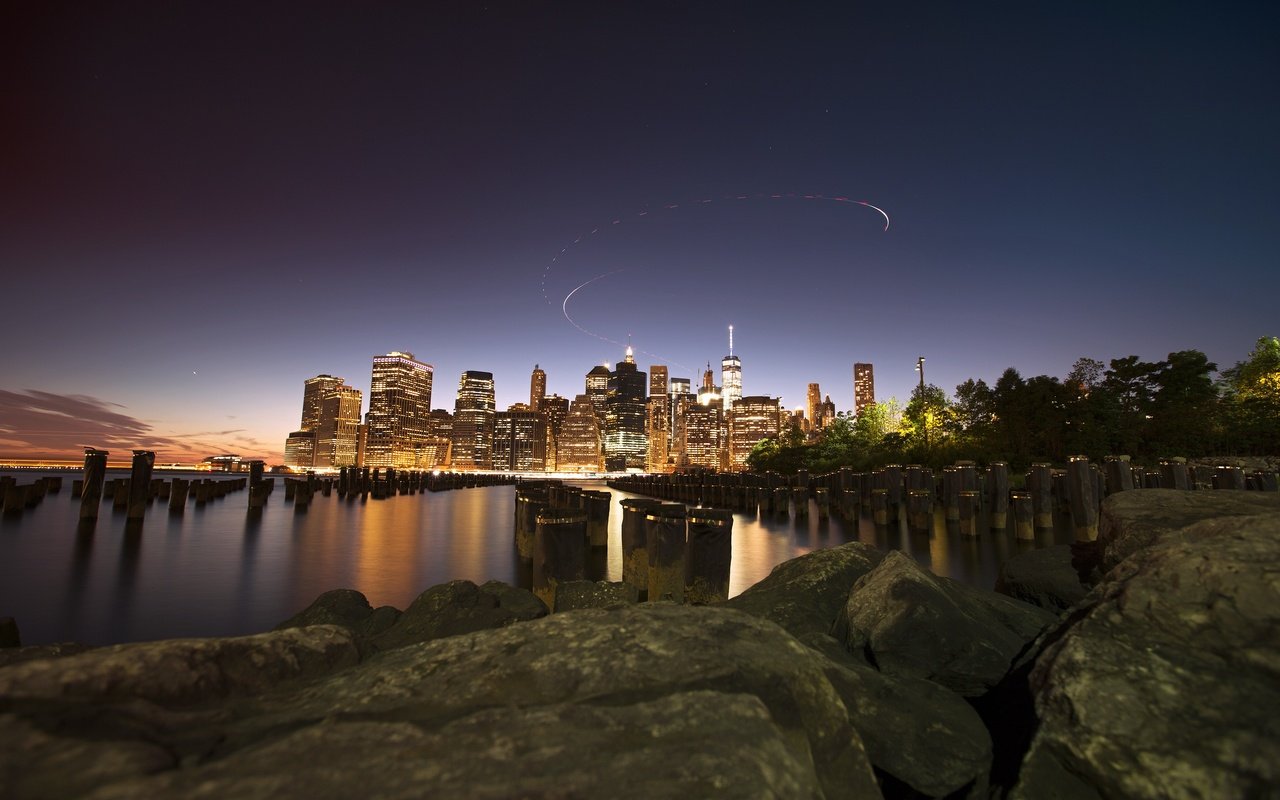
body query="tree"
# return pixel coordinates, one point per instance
(1252, 400)
(1183, 409)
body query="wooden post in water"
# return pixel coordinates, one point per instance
(596, 504)
(969, 500)
(1119, 474)
(140, 483)
(710, 547)
(635, 545)
(1228, 477)
(1023, 517)
(998, 495)
(880, 506)
(1084, 503)
(178, 496)
(920, 510)
(1173, 473)
(665, 539)
(95, 469)
(800, 496)
(559, 553)
(1040, 485)
(822, 499)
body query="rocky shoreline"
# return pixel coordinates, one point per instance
(848, 672)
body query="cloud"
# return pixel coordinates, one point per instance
(38, 424)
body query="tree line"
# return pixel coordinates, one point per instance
(1148, 410)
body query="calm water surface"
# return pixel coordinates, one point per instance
(217, 571)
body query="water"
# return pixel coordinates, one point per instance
(217, 571)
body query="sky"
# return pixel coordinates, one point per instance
(204, 204)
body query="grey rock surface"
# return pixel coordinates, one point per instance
(573, 595)
(912, 623)
(1133, 521)
(345, 607)
(1043, 577)
(458, 607)
(637, 701)
(1167, 682)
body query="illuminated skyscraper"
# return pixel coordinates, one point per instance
(300, 450)
(399, 418)
(812, 410)
(658, 419)
(752, 420)
(625, 444)
(731, 374)
(314, 392)
(537, 388)
(702, 435)
(554, 409)
(520, 441)
(827, 412)
(864, 387)
(339, 427)
(473, 422)
(579, 442)
(598, 390)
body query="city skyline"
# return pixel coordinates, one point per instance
(206, 206)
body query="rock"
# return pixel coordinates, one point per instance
(806, 594)
(1131, 521)
(689, 744)
(1167, 683)
(460, 607)
(345, 607)
(184, 670)
(916, 733)
(634, 701)
(9, 633)
(912, 623)
(594, 594)
(16, 655)
(1043, 578)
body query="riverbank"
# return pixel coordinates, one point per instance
(847, 672)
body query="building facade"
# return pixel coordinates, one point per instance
(864, 387)
(731, 375)
(398, 422)
(520, 441)
(752, 420)
(474, 415)
(579, 443)
(339, 427)
(626, 445)
(537, 388)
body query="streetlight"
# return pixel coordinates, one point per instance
(924, 411)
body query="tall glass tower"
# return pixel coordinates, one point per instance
(399, 418)
(731, 375)
(626, 445)
(474, 416)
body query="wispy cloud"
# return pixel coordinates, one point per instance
(38, 424)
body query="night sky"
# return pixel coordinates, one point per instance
(204, 204)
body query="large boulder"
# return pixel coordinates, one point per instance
(1166, 682)
(345, 607)
(917, 734)
(1133, 521)
(573, 595)
(805, 594)
(637, 701)
(1043, 577)
(912, 623)
(458, 607)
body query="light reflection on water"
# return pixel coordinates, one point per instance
(217, 570)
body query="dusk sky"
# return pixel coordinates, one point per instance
(204, 204)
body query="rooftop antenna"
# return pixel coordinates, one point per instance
(731, 340)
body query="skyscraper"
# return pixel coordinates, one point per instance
(702, 435)
(598, 390)
(864, 387)
(399, 410)
(473, 422)
(554, 409)
(339, 425)
(731, 374)
(314, 391)
(579, 442)
(658, 419)
(537, 388)
(625, 444)
(812, 410)
(752, 420)
(300, 450)
(520, 441)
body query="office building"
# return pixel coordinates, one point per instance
(520, 441)
(554, 409)
(812, 408)
(473, 422)
(626, 445)
(537, 388)
(731, 375)
(598, 390)
(702, 435)
(579, 443)
(752, 420)
(314, 392)
(398, 422)
(300, 450)
(864, 387)
(339, 427)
